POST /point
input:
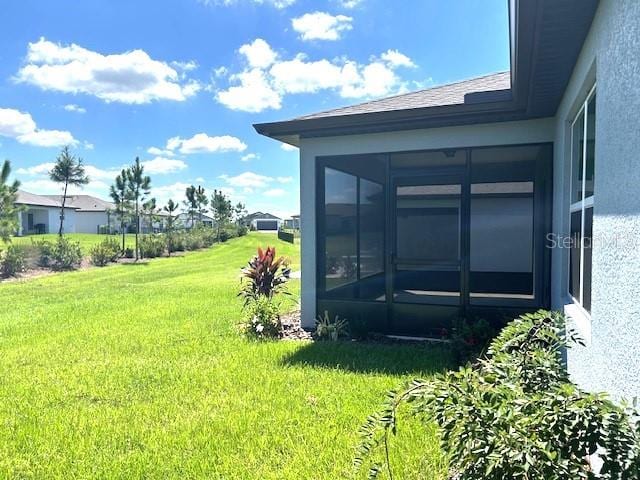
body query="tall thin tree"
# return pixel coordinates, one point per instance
(239, 212)
(221, 209)
(9, 211)
(191, 203)
(170, 208)
(68, 170)
(139, 186)
(149, 210)
(201, 202)
(119, 193)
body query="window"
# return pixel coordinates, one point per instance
(354, 224)
(583, 134)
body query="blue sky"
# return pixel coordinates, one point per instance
(179, 83)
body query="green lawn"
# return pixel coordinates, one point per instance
(136, 371)
(87, 240)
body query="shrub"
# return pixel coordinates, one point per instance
(100, 255)
(331, 328)
(225, 235)
(262, 320)
(515, 415)
(152, 246)
(105, 252)
(12, 261)
(63, 254)
(470, 338)
(264, 276)
(175, 242)
(242, 230)
(129, 253)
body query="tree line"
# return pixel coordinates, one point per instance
(131, 196)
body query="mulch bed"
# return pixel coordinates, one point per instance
(292, 328)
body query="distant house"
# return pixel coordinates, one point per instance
(292, 223)
(263, 222)
(185, 220)
(42, 215)
(91, 213)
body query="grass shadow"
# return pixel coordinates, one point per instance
(370, 357)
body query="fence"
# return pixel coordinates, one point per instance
(286, 236)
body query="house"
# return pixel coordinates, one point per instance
(491, 196)
(184, 219)
(92, 214)
(292, 223)
(42, 215)
(263, 222)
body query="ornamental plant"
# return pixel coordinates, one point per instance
(265, 275)
(262, 319)
(513, 414)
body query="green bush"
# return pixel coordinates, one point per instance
(12, 261)
(514, 414)
(129, 253)
(175, 242)
(225, 235)
(242, 230)
(63, 254)
(152, 246)
(105, 252)
(262, 320)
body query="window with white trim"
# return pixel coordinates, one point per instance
(583, 142)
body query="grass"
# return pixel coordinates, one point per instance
(86, 240)
(137, 371)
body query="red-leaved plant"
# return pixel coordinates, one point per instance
(264, 276)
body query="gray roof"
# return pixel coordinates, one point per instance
(26, 198)
(84, 203)
(450, 94)
(261, 216)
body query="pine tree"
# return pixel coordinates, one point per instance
(139, 186)
(67, 170)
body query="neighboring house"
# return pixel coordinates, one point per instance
(92, 213)
(263, 222)
(292, 223)
(42, 215)
(184, 219)
(491, 196)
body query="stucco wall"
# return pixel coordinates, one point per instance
(508, 133)
(88, 222)
(611, 360)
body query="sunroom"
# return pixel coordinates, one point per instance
(425, 208)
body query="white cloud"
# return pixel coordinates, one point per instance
(274, 192)
(279, 4)
(88, 145)
(161, 165)
(22, 127)
(44, 186)
(397, 59)
(250, 156)
(253, 94)
(131, 77)
(288, 148)
(71, 107)
(221, 72)
(284, 179)
(42, 169)
(173, 191)
(248, 180)
(321, 26)
(349, 3)
(259, 54)
(185, 66)
(160, 152)
(256, 89)
(203, 143)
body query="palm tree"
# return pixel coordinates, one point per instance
(67, 170)
(8, 209)
(139, 186)
(119, 193)
(171, 207)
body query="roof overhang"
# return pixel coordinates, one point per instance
(546, 37)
